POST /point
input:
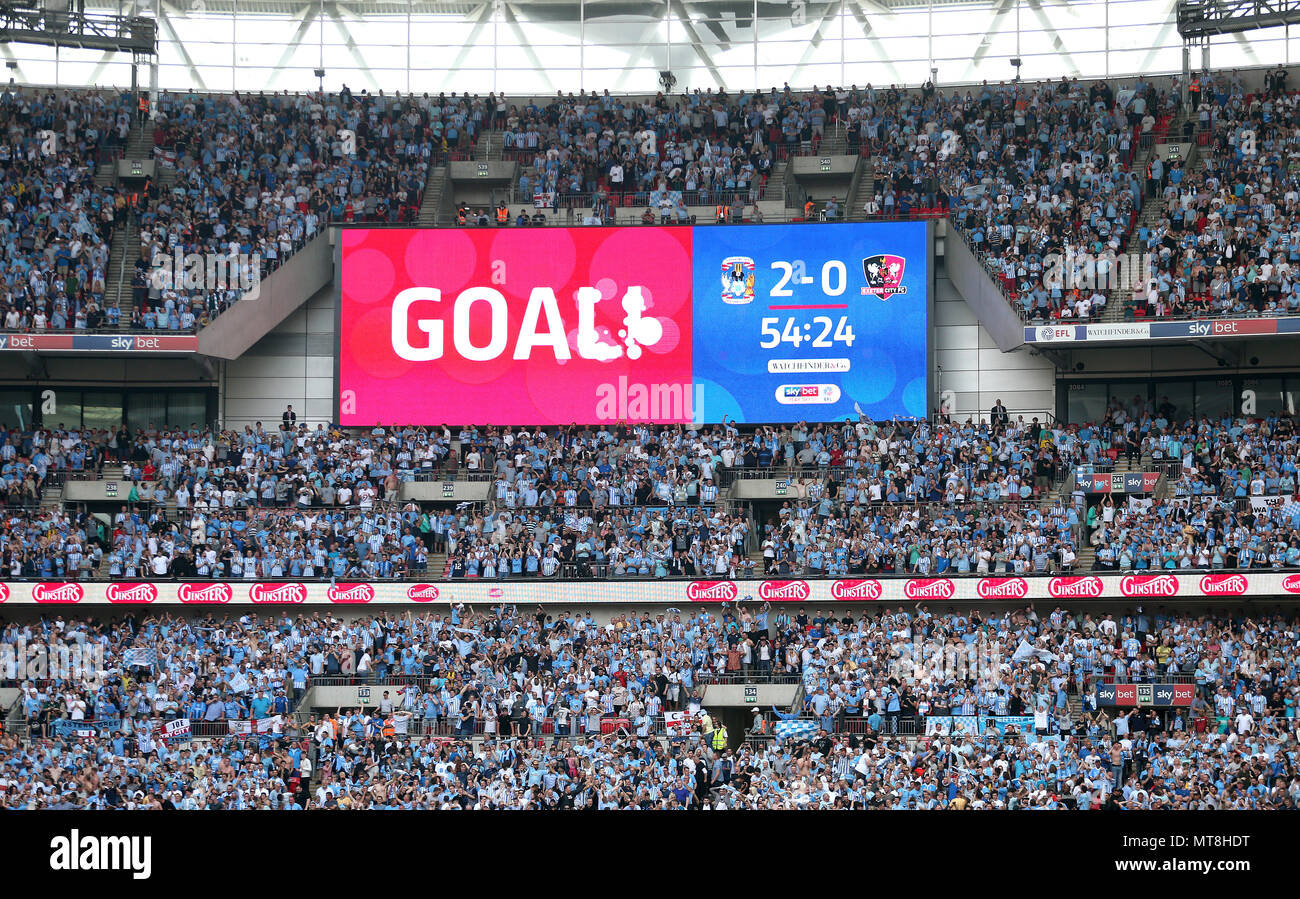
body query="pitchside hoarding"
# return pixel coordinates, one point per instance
(773, 323)
(1140, 588)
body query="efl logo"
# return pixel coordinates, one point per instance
(1002, 588)
(422, 592)
(849, 590)
(1224, 585)
(205, 593)
(1148, 585)
(711, 591)
(1292, 584)
(58, 593)
(1086, 587)
(142, 593)
(294, 593)
(350, 593)
(784, 590)
(77, 853)
(929, 588)
(1047, 333)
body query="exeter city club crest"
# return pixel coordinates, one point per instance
(737, 280)
(884, 274)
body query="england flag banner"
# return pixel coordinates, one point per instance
(681, 724)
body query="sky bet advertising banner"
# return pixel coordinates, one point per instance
(772, 323)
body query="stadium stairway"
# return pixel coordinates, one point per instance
(833, 142)
(866, 187)
(1119, 300)
(106, 174)
(1087, 555)
(124, 251)
(125, 247)
(1075, 705)
(139, 143)
(165, 178)
(490, 147)
(434, 191)
(437, 565)
(52, 497)
(774, 189)
(15, 722)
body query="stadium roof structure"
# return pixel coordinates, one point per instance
(84, 31)
(536, 47)
(1202, 18)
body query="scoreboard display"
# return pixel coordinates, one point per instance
(837, 319)
(757, 323)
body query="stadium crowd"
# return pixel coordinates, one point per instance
(703, 148)
(1041, 170)
(864, 498)
(257, 176)
(56, 220)
(1227, 237)
(568, 711)
(1024, 171)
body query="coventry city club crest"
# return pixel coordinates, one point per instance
(884, 274)
(737, 280)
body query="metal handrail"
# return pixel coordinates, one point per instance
(744, 577)
(104, 328)
(753, 677)
(1169, 678)
(726, 476)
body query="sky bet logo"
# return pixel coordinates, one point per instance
(123, 343)
(800, 394)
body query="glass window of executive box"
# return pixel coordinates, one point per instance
(16, 409)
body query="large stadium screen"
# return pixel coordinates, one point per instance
(774, 323)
